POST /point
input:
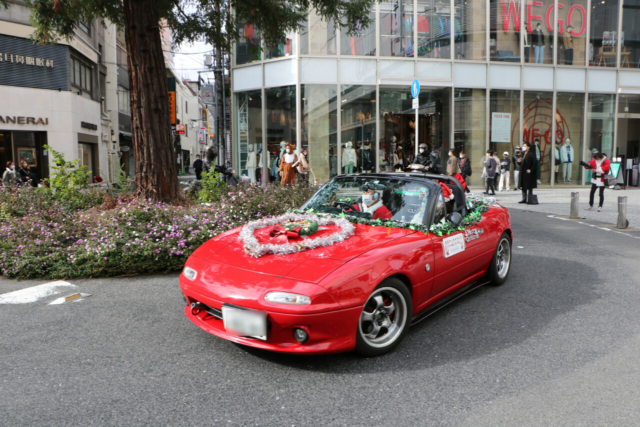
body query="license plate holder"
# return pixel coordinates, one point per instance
(244, 322)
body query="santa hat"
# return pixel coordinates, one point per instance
(446, 192)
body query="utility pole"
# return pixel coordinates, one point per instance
(220, 128)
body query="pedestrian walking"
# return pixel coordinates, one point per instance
(517, 158)
(197, 167)
(9, 176)
(453, 164)
(492, 166)
(25, 175)
(303, 167)
(600, 167)
(527, 176)
(465, 168)
(505, 171)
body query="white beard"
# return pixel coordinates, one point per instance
(374, 207)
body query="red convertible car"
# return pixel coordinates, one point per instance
(380, 272)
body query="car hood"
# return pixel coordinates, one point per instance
(310, 265)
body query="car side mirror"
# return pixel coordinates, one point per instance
(455, 218)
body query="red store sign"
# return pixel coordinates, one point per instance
(511, 12)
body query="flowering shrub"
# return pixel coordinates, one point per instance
(44, 237)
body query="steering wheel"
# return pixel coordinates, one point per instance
(343, 205)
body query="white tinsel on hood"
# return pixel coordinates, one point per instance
(257, 249)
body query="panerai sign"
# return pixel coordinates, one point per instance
(24, 120)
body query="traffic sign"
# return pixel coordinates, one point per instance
(415, 88)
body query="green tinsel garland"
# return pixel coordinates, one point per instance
(473, 217)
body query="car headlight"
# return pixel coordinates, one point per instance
(287, 298)
(190, 273)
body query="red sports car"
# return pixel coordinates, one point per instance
(366, 257)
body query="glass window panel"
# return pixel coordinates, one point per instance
(249, 121)
(361, 43)
(627, 141)
(604, 33)
(76, 69)
(319, 129)
(248, 45)
(537, 121)
(470, 29)
(469, 129)
(358, 123)
(538, 28)
(285, 48)
(504, 124)
(434, 29)
(505, 27)
(600, 121)
(318, 37)
(569, 131)
(281, 120)
(630, 55)
(572, 29)
(396, 28)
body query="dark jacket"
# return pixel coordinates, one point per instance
(435, 165)
(537, 38)
(465, 167)
(197, 165)
(505, 164)
(516, 165)
(492, 165)
(423, 159)
(529, 162)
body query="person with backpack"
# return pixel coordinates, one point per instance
(492, 167)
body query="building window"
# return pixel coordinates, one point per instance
(248, 45)
(186, 107)
(249, 131)
(434, 29)
(537, 119)
(504, 42)
(124, 101)
(122, 58)
(319, 126)
(84, 26)
(569, 132)
(604, 36)
(470, 29)
(396, 28)
(81, 75)
(469, 129)
(504, 124)
(361, 43)
(318, 37)
(572, 38)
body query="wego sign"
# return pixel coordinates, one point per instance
(511, 12)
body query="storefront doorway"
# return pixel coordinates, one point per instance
(398, 135)
(16, 146)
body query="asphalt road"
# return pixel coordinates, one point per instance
(558, 345)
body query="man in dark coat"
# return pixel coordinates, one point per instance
(423, 156)
(527, 176)
(197, 167)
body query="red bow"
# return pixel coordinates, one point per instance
(281, 235)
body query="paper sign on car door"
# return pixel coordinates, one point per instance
(453, 245)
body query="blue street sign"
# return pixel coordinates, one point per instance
(415, 88)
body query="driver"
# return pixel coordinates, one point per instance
(372, 202)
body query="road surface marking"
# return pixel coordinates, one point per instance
(34, 293)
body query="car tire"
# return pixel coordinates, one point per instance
(501, 261)
(385, 319)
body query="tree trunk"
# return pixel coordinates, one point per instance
(156, 165)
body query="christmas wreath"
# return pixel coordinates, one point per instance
(290, 234)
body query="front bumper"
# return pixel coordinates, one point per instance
(329, 332)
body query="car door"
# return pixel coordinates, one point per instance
(458, 257)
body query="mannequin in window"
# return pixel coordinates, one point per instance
(567, 43)
(566, 156)
(537, 40)
(400, 166)
(366, 157)
(283, 146)
(252, 164)
(558, 160)
(394, 160)
(348, 157)
(538, 158)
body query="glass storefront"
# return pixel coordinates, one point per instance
(249, 132)
(358, 128)
(319, 129)
(16, 146)
(537, 122)
(469, 128)
(491, 73)
(569, 131)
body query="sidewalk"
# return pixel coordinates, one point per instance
(558, 201)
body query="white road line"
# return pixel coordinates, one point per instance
(593, 226)
(34, 293)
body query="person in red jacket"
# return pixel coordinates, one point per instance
(372, 203)
(600, 166)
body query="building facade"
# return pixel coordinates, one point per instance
(493, 73)
(52, 94)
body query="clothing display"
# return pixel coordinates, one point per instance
(567, 157)
(251, 165)
(567, 42)
(348, 158)
(537, 40)
(366, 159)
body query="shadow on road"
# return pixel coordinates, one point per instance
(489, 320)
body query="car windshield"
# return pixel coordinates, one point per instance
(375, 198)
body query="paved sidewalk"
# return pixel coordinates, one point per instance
(558, 201)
